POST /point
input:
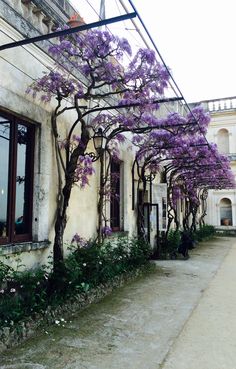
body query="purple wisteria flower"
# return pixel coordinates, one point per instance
(106, 231)
(80, 241)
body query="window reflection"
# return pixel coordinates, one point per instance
(21, 184)
(16, 179)
(4, 169)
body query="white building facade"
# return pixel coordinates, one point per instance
(28, 163)
(221, 204)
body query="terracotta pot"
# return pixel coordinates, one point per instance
(75, 21)
(226, 222)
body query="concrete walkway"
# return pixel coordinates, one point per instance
(208, 340)
(180, 316)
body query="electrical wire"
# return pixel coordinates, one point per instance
(152, 41)
(40, 61)
(172, 78)
(185, 105)
(52, 43)
(20, 70)
(98, 15)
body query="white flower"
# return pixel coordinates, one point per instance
(84, 264)
(57, 321)
(12, 290)
(62, 319)
(100, 262)
(1, 291)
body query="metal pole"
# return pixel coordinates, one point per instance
(102, 12)
(69, 31)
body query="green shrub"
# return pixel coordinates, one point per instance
(24, 293)
(21, 293)
(168, 246)
(174, 239)
(5, 271)
(204, 231)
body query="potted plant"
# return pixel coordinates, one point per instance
(75, 20)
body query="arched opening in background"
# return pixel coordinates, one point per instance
(223, 141)
(225, 212)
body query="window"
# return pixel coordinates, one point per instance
(16, 179)
(164, 212)
(223, 141)
(115, 208)
(225, 212)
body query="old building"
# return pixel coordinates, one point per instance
(221, 205)
(28, 177)
(28, 164)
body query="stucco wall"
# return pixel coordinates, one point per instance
(226, 120)
(17, 69)
(20, 67)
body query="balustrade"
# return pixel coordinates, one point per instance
(227, 103)
(232, 157)
(36, 14)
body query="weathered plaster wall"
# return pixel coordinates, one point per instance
(20, 67)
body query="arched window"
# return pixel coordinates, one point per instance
(223, 141)
(225, 212)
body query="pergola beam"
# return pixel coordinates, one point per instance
(68, 31)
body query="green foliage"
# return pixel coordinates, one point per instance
(226, 233)
(139, 251)
(203, 232)
(21, 293)
(4, 272)
(168, 246)
(95, 264)
(24, 293)
(173, 239)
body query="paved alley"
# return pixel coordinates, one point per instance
(181, 316)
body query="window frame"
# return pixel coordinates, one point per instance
(15, 121)
(116, 202)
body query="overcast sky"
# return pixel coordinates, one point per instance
(195, 38)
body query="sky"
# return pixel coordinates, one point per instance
(195, 38)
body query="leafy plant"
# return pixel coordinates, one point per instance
(174, 239)
(204, 231)
(24, 293)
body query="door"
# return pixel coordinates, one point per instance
(149, 222)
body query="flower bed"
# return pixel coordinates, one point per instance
(29, 299)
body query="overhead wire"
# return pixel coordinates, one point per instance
(145, 42)
(153, 43)
(71, 72)
(143, 39)
(20, 70)
(162, 60)
(171, 76)
(130, 30)
(39, 60)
